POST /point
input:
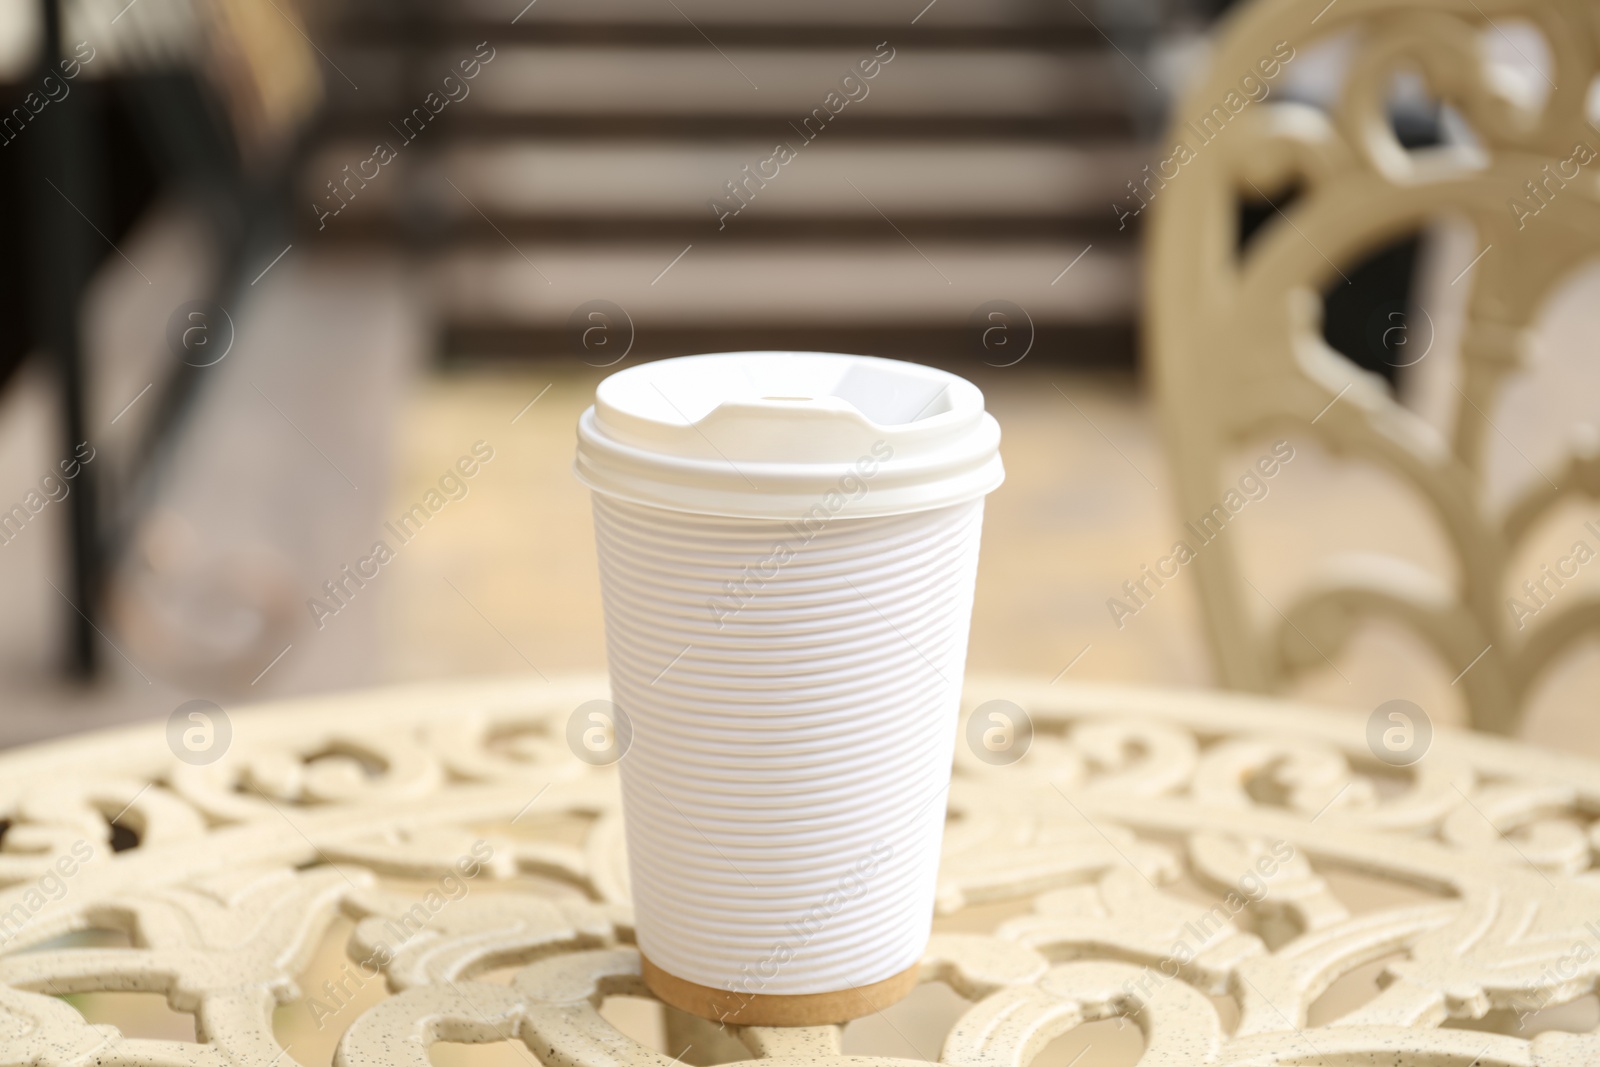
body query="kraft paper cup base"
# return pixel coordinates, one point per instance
(771, 1009)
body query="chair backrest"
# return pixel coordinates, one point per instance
(1234, 337)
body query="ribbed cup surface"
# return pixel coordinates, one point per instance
(793, 692)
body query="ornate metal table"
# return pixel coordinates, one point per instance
(393, 877)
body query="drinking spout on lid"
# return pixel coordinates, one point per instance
(822, 429)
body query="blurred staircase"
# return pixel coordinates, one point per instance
(979, 164)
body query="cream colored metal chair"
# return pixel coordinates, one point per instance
(1234, 337)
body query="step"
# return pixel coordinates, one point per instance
(936, 285)
(737, 93)
(631, 189)
(436, 28)
(780, 12)
(1111, 345)
(725, 21)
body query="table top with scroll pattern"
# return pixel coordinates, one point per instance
(1214, 870)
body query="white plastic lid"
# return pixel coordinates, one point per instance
(771, 434)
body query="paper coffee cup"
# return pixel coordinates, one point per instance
(788, 544)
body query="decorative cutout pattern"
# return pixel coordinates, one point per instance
(1236, 344)
(1140, 869)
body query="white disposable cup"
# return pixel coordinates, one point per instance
(788, 544)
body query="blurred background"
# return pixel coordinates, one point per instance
(271, 269)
